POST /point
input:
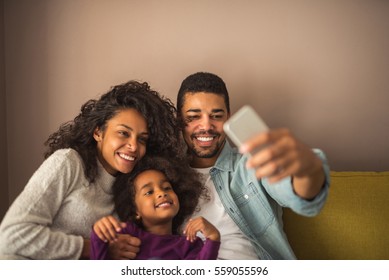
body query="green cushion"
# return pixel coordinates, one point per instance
(353, 225)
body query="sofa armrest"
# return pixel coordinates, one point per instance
(354, 223)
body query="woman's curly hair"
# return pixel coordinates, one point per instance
(158, 111)
(185, 181)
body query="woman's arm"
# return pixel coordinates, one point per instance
(26, 230)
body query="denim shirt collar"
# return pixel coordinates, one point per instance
(224, 162)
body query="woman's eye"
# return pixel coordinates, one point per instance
(143, 140)
(123, 133)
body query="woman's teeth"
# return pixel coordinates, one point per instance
(126, 157)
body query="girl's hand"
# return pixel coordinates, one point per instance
(202, 225)
(107, 227)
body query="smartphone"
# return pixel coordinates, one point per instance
(244, 124)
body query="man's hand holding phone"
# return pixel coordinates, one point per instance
(275, 153)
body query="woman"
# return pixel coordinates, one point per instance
(53, 216)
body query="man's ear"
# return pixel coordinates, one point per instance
(97, 134)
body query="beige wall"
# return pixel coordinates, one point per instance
(4, 198)
(318, 67)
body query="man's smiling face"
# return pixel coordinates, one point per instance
(204, 115)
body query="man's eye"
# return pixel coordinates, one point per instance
(191, 118)
(217, 117)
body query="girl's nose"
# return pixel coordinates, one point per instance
(162, 194)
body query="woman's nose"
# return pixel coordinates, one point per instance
(132, 145)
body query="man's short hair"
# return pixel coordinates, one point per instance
(202, 82)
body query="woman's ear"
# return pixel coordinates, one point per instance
(97, 134)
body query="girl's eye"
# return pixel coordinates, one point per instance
(149, 193)
(167, 188)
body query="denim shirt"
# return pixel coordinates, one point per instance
(256, 205)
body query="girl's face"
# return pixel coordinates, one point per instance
(156, 202)
(123, 142)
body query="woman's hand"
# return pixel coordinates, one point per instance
(107, 227)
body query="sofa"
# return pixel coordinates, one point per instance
(353, 225)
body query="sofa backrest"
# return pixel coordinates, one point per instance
(354, 223)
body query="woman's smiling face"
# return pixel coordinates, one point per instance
(123, 141)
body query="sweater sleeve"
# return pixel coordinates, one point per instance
(26, 230)
(209, 250)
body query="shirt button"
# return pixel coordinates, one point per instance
(246, 196)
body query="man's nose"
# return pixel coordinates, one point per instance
(206, 123)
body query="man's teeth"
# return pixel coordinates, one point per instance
(127, 157)
(205, 139)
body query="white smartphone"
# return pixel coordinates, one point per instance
(244, 124)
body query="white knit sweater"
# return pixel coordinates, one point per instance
(56, 210)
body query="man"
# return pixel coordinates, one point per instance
(247, 195)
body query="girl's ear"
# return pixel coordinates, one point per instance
(97, 134)
(138, 220)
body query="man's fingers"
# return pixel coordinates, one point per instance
(263, 139)
(256, 141)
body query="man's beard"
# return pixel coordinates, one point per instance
(206, 153)
(201, 153)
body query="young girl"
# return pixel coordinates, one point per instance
(53, 216)
(155, 199)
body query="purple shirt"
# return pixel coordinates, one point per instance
(162, 247)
